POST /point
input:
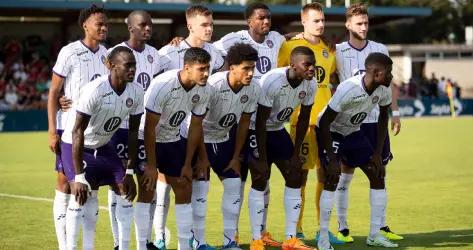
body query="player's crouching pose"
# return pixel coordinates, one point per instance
(233, 100)
(283, 89)
(170, 98)
(340, 138)
(89, 159)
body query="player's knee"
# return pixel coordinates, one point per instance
(259, 184)
(145, 196)
(182, 192)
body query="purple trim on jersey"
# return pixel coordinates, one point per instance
(149, 110)
(58, 74)
(89, 48)
(111, 86)
(182, 85)
(82, 113)
(58, 163)
(249, 113)
(135, 115)
(202, 115)
(367, 41)
(103, 167)
(137, 50)
(230, 86)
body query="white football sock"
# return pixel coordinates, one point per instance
(91, 212)
(378, 205)
(341, 200)
(292, 205)
(230, 208)
(326, 204)
(256, 207)
(242, 198)
(266, 205)
(184, 225)
(61, 201)
(74, 217)
(124, 218)
(162, 208)
(383, 217)
(152, 209)
(141, 224)
(200, 189)
(112, 207)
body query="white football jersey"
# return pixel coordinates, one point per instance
(173, 103)
(147, 67)
(78, 65)
(172, 57)
(225, 107)
(282, 98)
(268, 50)
(106, 109)
(353, 104)
(351, 62)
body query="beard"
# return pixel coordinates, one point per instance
(354, 34)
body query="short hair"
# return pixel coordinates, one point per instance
(117, 50)
(195, 10)
(136, 13)
(356, 9)
(312, 6)
(302, 50)
(241, 52)
(378, 58)
(250, 9)
(196, 55)
(86, 13)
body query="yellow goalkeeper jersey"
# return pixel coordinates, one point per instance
(326, 66)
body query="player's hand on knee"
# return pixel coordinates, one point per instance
(150, 174)
(202, 169)
(129, 187)
(186, 173)
(396, 125)
(54, 143)
(176, 41)
(234, 165)
(81, 188)
(65, 103)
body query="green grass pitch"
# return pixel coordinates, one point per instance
(430, 193)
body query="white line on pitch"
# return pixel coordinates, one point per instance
(32, 198)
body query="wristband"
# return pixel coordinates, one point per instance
(396, 113)
(130, 171)
(80, 178)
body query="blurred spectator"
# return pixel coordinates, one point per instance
(11, 98)
(442, 87)
(433, 86)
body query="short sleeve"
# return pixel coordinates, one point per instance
(269, 91)
(156, 63)
(138, 108)
(218, 60)
(226, 42)
(387, 97)
(155, 97)
(252, 104)
(88, 101)
(200, 108)
(337, 101)
(165, 54)
(63, 62)
(311, 91)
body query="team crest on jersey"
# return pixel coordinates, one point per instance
(375, 99)
(244, 99)
(325, 53)
(270, 43)
(302, 94)
(150, 59)
(129, 102)
(195, 98)
(102, 58)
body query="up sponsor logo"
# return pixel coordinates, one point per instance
(263, 64)
(112, 124)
